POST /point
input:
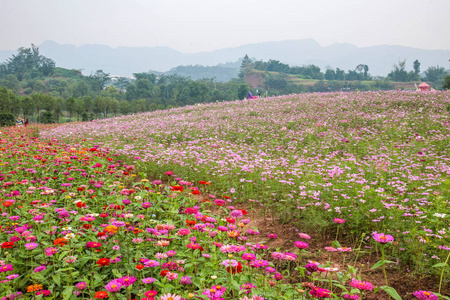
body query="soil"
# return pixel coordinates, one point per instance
(404, 283)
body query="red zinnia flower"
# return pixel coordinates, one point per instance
(164, 273)
(177, 188)
(7, 245)
(195, 192)
(81, 204)
(190, 223)
(101, 295)
(234, 270)
(139, 267)
(103, 262)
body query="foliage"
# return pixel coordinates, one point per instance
(7, 119)
(435, 74)
(446, 84)
(27, 63)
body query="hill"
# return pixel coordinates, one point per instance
(127, 60)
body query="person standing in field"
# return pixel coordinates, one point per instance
(19, 122)
(26, 122)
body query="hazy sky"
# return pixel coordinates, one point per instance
(205, 25)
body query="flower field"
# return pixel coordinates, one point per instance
(160, 205)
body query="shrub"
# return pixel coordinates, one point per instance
(7, 119)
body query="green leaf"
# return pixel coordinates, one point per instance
(341, 287)
(235, 285)
(382, 262)
(440, 265)
(391, 291)
(336, 244)
(67, 292)
(57, 279)
(442, 296)
(65, 269)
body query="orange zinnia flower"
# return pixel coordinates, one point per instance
(34, 288)
(233, 233)
(60, 242)
(111, 229)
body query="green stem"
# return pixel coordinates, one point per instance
(442, 273)
(384, 268)
(337, 232)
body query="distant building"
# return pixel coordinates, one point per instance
(424, 87)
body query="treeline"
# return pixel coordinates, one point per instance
(433, 74)
(32, 87)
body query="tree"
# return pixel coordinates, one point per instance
(435, 74)
(242, 91)
(446, 84)
(330, 74)
(11, 82)
(121, 83)
(27, 63)
(399, 73)
(278, 83)
(340, 74)
(98, 80)
(416, 66)
(81, 89)
(245, 66)
(70, 106)
(366, 72)
(150, 77)
(7, 101)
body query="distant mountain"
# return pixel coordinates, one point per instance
(127, 60)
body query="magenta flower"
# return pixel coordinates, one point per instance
(338, 221)
(248, 256)
(81, 285)
(362, 285)
(301, 245)
(247, 287)
(186, 280)
(318, 292)
(272, 236)
(383, 238)
(127, 280)
(39, 269)
(146, 204)
(31, 246)
(425, 295)
(351, 297)
(114, 286)
(215, 292)
(51, 251)
(148, 280)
